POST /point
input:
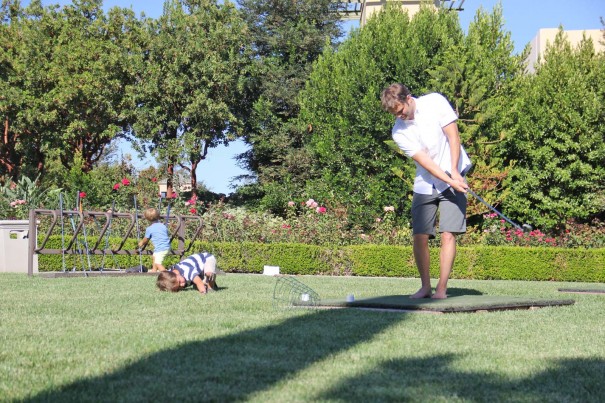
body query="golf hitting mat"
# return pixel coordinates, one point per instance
(583, 290)
(290, 292)
(463, 303)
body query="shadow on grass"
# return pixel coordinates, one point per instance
(457, 291)
(233, 367)
(435, 379)
(236, 367)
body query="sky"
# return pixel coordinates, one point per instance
(522, 18)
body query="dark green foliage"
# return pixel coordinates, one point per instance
(542, 264)
(288, 36)
(250, 257)
(388, 261)
(479, 263)
(67, 70)
(555, 135)
(341, 107)
(191, 83)
(476, 75)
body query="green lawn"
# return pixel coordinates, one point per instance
(118, 339)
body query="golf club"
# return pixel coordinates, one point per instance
(524, 227)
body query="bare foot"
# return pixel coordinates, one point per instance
(439, 295)
(421, 293)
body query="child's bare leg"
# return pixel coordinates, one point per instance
(153, 264)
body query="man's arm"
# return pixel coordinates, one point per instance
(426, 162)
(453, 137)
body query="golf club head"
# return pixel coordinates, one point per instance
(527, 228)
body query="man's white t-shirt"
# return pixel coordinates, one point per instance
(425, 133)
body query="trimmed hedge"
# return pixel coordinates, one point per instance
(480, 262)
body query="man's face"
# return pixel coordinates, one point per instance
(404, 110)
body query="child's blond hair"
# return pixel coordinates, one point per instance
(152, 214)
(167, 281)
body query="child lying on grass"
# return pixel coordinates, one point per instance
(198, 270)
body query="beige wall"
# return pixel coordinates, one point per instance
(547, 36)
(369, 7)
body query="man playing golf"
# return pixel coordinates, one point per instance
(425, 130)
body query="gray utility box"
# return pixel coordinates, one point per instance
(14, 246)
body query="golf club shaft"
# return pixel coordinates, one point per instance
(494, 210)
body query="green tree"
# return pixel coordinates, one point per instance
(20, 145)
(476, 75)
(68, 77)
(288, 36)
(8, 42)
(341, 103)
(188, 93)
(554, 137)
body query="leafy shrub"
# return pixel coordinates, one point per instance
(17, 198)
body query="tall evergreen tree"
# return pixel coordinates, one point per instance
(554, 137)
(476, 75)
(341, 102)
(288, 36)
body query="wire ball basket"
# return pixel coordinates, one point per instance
(292, 293)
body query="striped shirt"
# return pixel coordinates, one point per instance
(193, 266)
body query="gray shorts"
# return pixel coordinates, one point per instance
(452, 212)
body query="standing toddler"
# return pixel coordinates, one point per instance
(158, 234)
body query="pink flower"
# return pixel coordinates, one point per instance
(154, 179)
(125, 182)
(378, 219)
(311, 203)
(286, 226)
(192, 211)
(321, 210)
(82, 195)
(116, 186)
(174, 195)
(291, 204)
